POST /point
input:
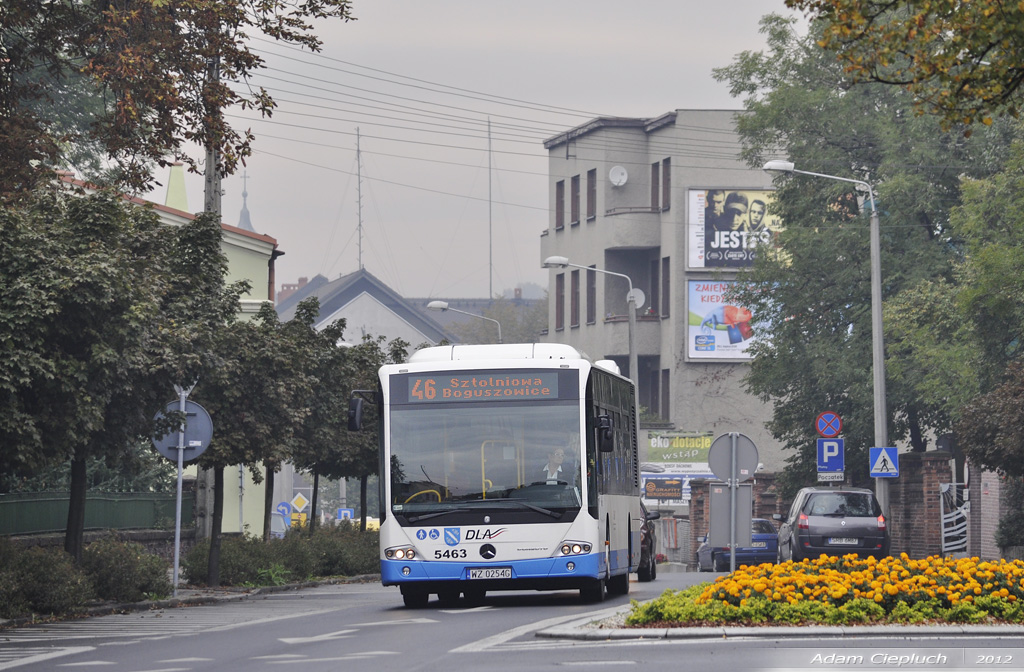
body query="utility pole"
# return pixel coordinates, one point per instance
(211, 203)
(359, 196)
(490, 225)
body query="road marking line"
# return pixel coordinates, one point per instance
(50, 655)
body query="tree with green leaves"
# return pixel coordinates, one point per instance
(256, 396)
(319, 438)
(812, 296)
(991, 284)
(961, 60)
(363, 448)
(91, 352)
(157, 74)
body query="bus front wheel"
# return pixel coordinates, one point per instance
(475, 596)
(619, 585)
(415, 598)
(593, 591)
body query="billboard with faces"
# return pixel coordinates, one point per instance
(726, 227)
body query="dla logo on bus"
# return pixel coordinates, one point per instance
(451, 536)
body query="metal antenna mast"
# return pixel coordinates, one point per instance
(490, 226)
(359, 196)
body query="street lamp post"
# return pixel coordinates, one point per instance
(563, 262)
(443, 306)
(877, 336)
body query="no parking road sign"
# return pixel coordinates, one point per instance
(829, 424)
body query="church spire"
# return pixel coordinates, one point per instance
(243, 219)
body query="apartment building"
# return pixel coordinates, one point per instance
(668, 203)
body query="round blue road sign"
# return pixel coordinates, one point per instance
(829, 425)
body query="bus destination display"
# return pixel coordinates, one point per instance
(483, 387)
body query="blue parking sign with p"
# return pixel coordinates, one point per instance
(830, 455)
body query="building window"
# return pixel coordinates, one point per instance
(560, 204)
(666, 409)
(655, 287)
(560, 302)
(574, 201)
(655, 185)
(574, 299)
(666, 282)
(591, 296)
(666, 184)
(591, 194)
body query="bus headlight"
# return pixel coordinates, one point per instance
(575, 548)
(400, 553)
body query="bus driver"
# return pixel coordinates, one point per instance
(553, 469)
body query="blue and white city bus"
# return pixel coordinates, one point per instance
(469, 502)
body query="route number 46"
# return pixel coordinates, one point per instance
(424, 388)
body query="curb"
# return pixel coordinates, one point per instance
(587, 629)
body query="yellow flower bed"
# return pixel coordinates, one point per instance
(834, 580)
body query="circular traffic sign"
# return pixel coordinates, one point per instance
(198, 432)
(720, 457)
(829, 424)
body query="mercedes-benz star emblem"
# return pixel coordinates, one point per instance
(487, 551)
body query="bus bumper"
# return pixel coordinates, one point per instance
(564, 571)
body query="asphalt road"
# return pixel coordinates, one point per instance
(363, 626)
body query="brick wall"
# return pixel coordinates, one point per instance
(915, 503)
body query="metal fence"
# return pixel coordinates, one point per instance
(39, 512)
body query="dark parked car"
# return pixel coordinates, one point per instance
(763, 548)
(833, 521)
(648, 569)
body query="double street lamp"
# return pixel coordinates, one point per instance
(563, 262)
(443, 306)
(877, 337)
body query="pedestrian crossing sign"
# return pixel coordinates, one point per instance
(885, 462)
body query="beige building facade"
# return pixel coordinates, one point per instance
(667, 202)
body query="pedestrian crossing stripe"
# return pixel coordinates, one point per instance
(885, 462)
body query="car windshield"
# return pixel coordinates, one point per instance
(841, 504)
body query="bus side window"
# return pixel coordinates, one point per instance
(605, 434)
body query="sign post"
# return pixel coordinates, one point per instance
(733, 458)
(196, 430)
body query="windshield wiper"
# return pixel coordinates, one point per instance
(435, 514)
(538, 509)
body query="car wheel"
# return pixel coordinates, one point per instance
(654, 568)
(645, 572)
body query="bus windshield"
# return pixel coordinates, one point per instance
(506, 455)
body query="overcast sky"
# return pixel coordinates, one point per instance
(420, 81)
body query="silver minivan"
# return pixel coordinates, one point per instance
(833, 521)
